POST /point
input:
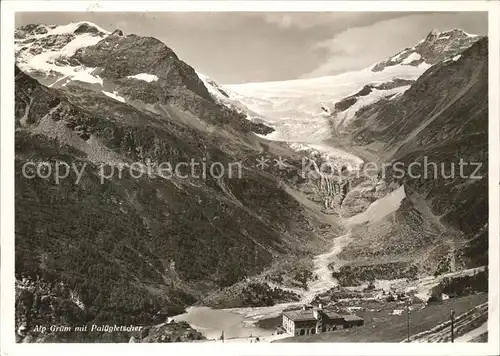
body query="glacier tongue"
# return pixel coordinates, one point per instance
(300, 109)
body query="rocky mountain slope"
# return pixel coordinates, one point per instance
(137, 245)
(441, 120)
(427, 101)
(224, 96)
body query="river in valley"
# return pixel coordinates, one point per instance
(241, 323)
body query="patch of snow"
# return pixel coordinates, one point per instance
(46, 61)
(85, 75)
(114, 95)
(456, 58)
(80, 41)
(144, 76)
(397, 312)
(71, 27)
(460, 30)
(380, 208)
(470, 34)
(345, 117)
(424, 66)
(59, 80)
(412, 57)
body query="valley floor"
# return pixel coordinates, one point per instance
(242, 322)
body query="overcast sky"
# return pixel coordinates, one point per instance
(254, 46)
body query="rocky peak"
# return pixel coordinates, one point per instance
(30, 30)
(87, 28)
(439, 46)
(454, 35)
(117, 32)
(432, 35)
(435, 47)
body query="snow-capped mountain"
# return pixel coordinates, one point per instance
(299, 108)
(112, 64)
(436, 47)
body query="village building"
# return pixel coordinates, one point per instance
(309, 320)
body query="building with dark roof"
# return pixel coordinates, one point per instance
(310, 320)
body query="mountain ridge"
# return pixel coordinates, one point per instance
(441, 119)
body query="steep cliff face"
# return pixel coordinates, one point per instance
(449, 85)
(455, 131)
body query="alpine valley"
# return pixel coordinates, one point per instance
(229, 252)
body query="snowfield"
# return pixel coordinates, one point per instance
(412, 57)
(145, 77)
(70, 28)
(300, 110)
(114, 95)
